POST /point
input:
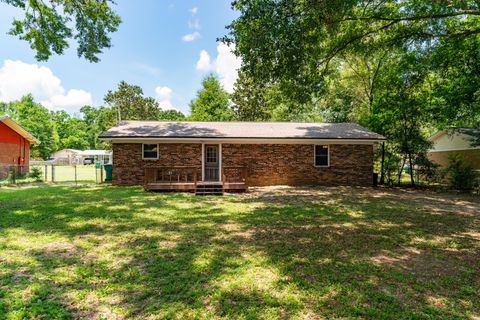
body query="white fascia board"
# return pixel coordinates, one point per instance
(456, 149)
(241, 141)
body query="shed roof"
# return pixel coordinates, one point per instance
(238, 130)
(18, 129)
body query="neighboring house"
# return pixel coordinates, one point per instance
(66, 156)
(235, 155)
(455, 141)
(102, 156)
(15, 143)
(74, 156)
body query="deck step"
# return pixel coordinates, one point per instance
(209, 189)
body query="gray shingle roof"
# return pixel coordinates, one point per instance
(469, 131)
(239, 130)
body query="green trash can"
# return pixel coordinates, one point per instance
(108, 172)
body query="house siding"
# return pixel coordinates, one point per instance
(13, 147)
(268, 164)
(442, 157)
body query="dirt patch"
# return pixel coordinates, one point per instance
(64, 250)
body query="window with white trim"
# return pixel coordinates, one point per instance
(150, 151)
(322, 156)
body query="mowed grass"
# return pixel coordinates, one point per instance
(284, 253)
(61, 173)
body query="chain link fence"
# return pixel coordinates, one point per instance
(47, 172)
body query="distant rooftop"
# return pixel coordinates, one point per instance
(469, 131)
(239, 130)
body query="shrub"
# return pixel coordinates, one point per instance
(426, 169)
(460, 173)
(35, 173)
(12, 175)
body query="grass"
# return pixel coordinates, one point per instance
(111, 253)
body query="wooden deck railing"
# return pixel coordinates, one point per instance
(186, 177)
(234, 174)
(171, 175)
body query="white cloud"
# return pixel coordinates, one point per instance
(193, 23)
(203, 63)
(191, 36)
(226, 65)
(73, 99)
(164, 95)
(193, 11)
(18, 78)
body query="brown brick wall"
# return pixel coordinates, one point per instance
(293, 164)
(472, 156)
(129, 167)
(268, 164)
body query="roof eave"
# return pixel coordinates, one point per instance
(18, 129)
(378, 139)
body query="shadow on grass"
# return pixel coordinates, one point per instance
(383, 254)
(307, 253)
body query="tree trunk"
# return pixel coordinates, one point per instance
(382, 168)
(412, 181)
(401, 170)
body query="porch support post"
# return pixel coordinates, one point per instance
(203, 159)
(220, 162)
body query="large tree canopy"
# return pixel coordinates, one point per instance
(293, 42)
(48, 25)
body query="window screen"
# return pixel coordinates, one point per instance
(321, 156)
(150, 151)
(212, 154)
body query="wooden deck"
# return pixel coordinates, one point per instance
(185, 178)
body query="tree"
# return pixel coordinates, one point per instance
(37, 120)
(253, 101)
(97, 120)
(212, 102)
(72, 132)
(172, 115)
(402, 111)
(47, 26)
(249, 100)
(128, 103)
(293, 43)
(455, 65)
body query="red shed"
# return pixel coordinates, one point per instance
(14, 143)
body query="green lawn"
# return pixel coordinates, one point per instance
(119, 252)
(62, 173)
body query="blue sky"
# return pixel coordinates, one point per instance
(158, 46)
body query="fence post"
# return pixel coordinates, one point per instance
(46, 173)
(53, 173)
(101, 174)
(75, 166)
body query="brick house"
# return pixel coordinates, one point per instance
(234, 155)
(15, 143)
